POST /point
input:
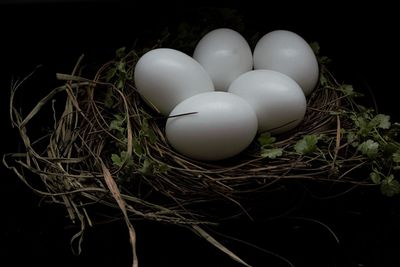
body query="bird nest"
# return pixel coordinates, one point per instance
(107, 147)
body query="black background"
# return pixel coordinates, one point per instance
(360, 38)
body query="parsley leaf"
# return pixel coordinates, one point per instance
(390, 186)
(267, 146)
(147, 167)
(375, 177)
(119, 160)
(266, 139)
(315, 47)
(396, 156)
(271, 152)
(369, 148)
(307, 144)
(117, 123)
(381, 121)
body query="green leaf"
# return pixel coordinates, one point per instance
(110, 74)
(352, 139)
(147, 167)
(324, 60)
(381, 121)
(137, 148)
(271, 153)
(366, 123)
(323, 80)
(315, 47)
(267, 146)
(390, 186)
(117, 123)
(370, 148)
(116, 159)
(375, 177)
(396, 156)
(120, 53)
(162, 168)
(266, 140)
(347, 89)
(109, 100)
(148, 132)
(119, 160)
(307, 144)
(396, 126)
(121, 83)
(389, 149)
(362, 123)
(121, 67)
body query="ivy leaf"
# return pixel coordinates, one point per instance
(375, 177)
(307, 144)
(271, 153)
(390, 186)
(369, 148)
(266, 140)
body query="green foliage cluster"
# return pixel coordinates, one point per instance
(369, 134)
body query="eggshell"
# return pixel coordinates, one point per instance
(277, 99)
(166, 77)
(224, 54)
(289, 53)
(223, 125)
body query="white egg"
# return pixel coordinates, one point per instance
(224, 54)
(289, 53)
(221, 126)
(166, 77)
(277, 99)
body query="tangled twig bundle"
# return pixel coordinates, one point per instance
(107, 147)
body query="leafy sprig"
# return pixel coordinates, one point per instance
(375, 137)
(369, 135)
(307, 144)
(268, 148)
(139, 162)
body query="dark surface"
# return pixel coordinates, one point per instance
(361, 40)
